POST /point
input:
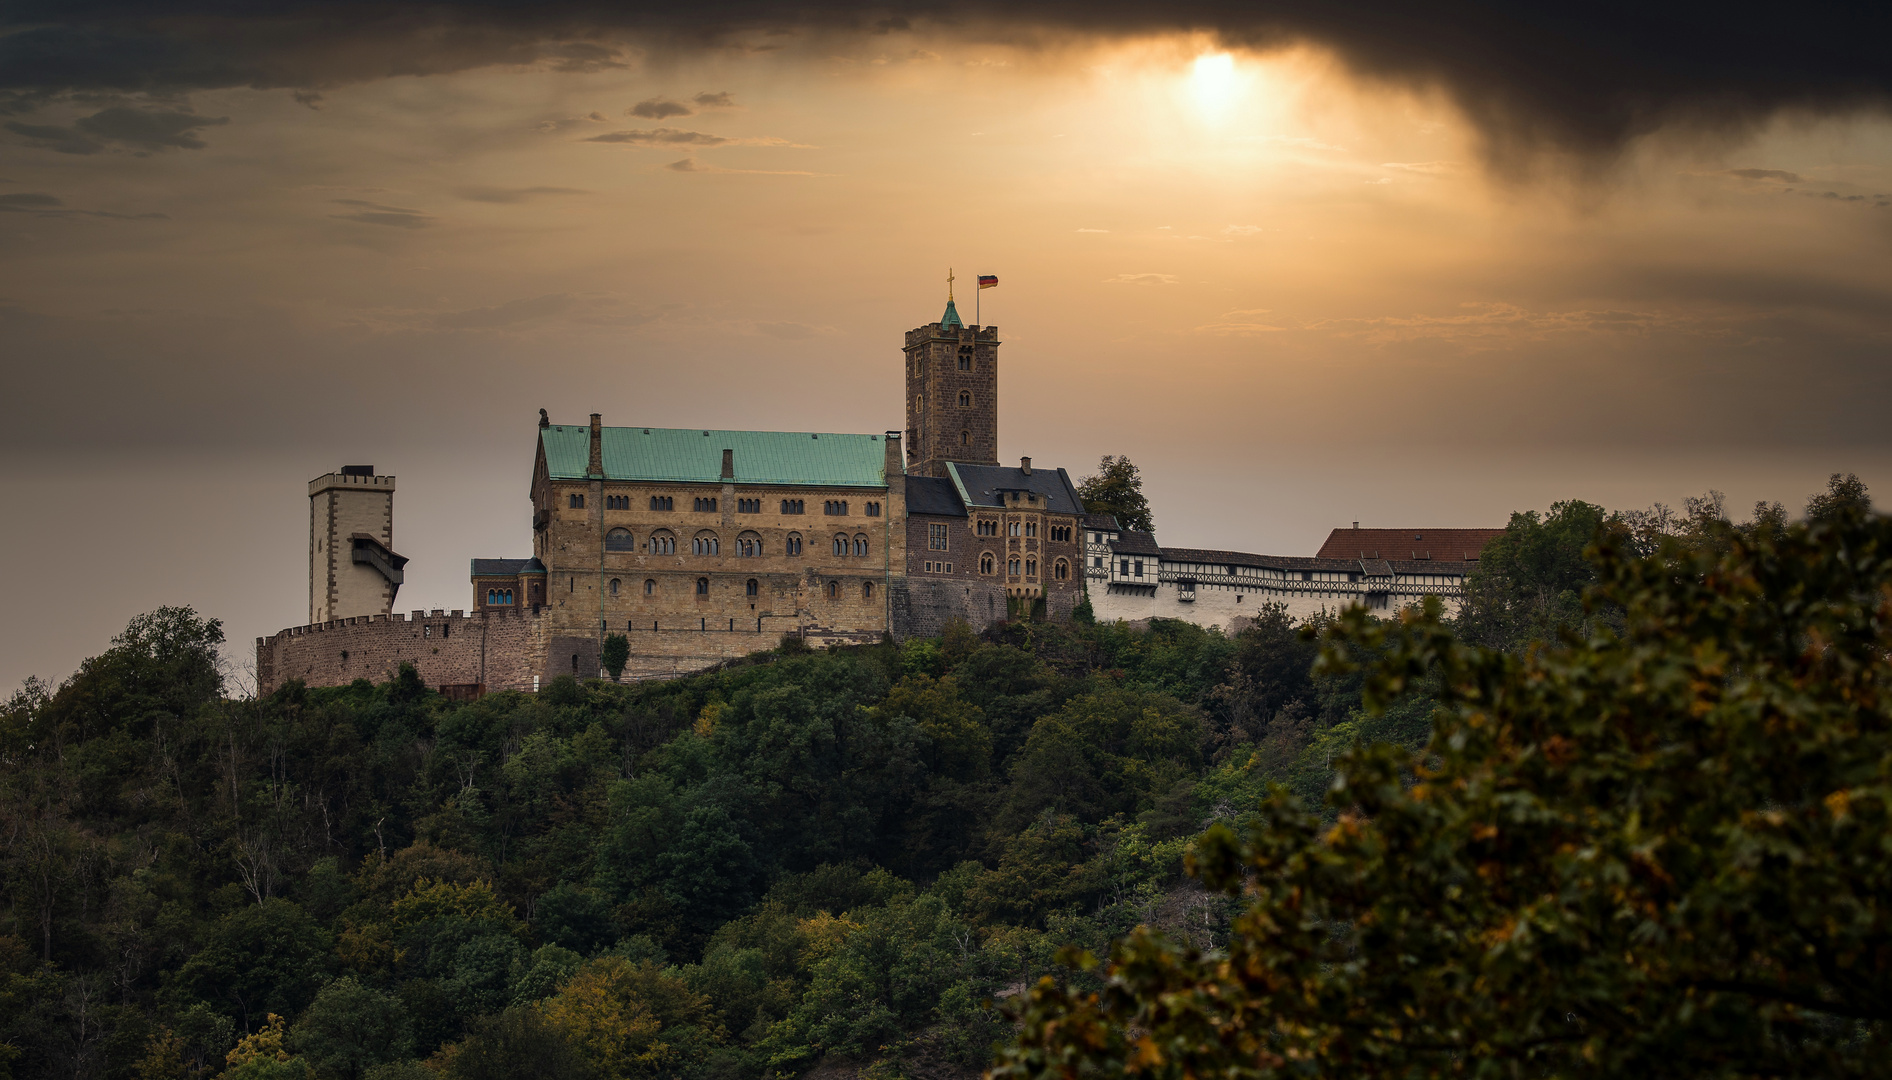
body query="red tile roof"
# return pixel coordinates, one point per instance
(1435, 544)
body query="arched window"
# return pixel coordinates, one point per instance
(986, 562)
(860, 544)
(867, 590)
(1062, 570)
(965, 399)
(752, 588)
(492, 596)
(706, 544)
(702, 586)
(614, 586)
(793, 544)
(574, 663)
(508, 598)
(748, 545)
(650, 586)
(1011, 567)
(663, 543)
(840, 544)
(919, 403)
(965, 438)
(834, 590)
(620, 540)
(1031, 567)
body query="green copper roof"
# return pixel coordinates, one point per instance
(692, 455)
(951, 318)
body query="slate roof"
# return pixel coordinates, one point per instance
(1379, 567)
(1102, 522)
(933, 495)
(980, 485)
(1137, 543)
(1410, 544)
(500, 567)
(694, 455)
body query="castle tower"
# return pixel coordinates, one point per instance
(353, 569)
(952, 394)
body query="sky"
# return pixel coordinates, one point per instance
(1304, 265)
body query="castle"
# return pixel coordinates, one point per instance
(702, 545)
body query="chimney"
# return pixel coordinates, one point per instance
(729, 464)
(1356, 524)
(893, 464)
(1024, 466)
(596, 471)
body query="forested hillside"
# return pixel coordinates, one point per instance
(862, 861)
(833, 856)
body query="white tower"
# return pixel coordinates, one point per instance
(353, 569)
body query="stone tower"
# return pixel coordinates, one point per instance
(952, 394)
(353, 569)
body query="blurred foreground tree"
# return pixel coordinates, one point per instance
(1658, 851)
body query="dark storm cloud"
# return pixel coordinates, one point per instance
(368, 213)
(658, 108)
(1581, 78)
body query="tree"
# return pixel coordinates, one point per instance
(1529, 582)
(351, 1028)
(616, 653)
(1844, 494)
(1117, 489)
(1650, 852)
(260, 959)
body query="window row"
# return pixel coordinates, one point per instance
(1016, 566)
(707, 504)
(939, 568)
(750, 588)
(748, 544)
(498, 597)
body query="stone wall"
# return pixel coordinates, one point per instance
(922, 606)
(501, 650)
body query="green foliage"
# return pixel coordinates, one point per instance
(350, 1028)
(259, 959)
(1117, 488)
(1657, 851)
(615, 654)
(1529, 583)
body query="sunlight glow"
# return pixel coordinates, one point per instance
(1214, 83)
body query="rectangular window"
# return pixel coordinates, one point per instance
(578, 501)
(1123, 567)
(936, 538)
(1138, 572)
(949, 568)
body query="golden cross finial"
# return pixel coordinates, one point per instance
(949, 284)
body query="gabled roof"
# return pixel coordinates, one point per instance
(981, 485)
(933, 495)
(498, 567)
(1133, 542)
(694, 455)
(1406, 543)
(1102, 522)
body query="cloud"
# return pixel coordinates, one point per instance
(29, 200)
(1477, 322)
(659, 108)
(1423, 168)
(660, 137)
(686, 165)
(144, 131)
(1142, 279)
(665, 136)
(1767, 174)
(1242, 323)
(41, 204)
(479, 193)
(1583, 80)
(507, 315)
(1242, 230)
(1094, 230)
(719, 100)
(691, 165)
(368, 213)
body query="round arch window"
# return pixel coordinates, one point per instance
(702, 586)
(620, 540)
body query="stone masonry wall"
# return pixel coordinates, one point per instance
(503, 650)
(923, 606)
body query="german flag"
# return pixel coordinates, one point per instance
(988, 281)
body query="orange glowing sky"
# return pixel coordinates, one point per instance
(1296, 296)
